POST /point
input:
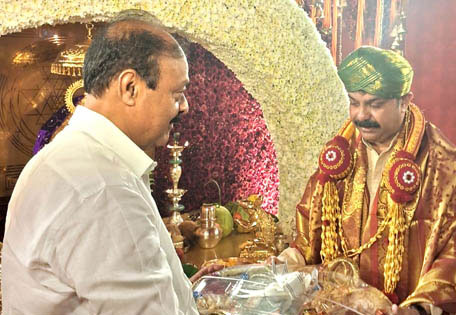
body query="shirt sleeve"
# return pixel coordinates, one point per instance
(110, 251)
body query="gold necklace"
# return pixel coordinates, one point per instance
(401, 178)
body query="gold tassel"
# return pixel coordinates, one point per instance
(378, 23)
(330, 214)
(334, 30)
(313, 14)
(359, 24)
(327, 15)
(393, 14)
(394, 253)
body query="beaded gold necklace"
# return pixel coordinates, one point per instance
(401, 177)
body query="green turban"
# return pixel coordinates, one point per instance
(376, 71)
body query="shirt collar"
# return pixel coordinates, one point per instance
(370, 147)
(104, 131)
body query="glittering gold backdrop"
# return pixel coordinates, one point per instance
(29, 93)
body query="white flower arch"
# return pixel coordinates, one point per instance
(271, 45)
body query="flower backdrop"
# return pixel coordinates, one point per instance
(271, 46)
(229, 140)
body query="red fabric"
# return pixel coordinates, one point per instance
(430, 48)
(405, 155)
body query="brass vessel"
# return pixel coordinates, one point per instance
(209, 233)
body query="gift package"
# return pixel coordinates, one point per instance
(273, 289)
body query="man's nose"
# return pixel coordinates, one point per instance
(363, 113)
(183, 106)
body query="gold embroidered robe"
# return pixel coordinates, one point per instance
(428, 272)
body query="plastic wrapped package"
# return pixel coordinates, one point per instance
(264, 289)
(254, 289)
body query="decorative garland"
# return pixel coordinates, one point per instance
(272, 47)
(401, 177)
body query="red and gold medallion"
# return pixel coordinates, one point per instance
(403, 177)
(335, 160)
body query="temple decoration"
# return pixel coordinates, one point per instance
(335, 25)
(340, 16)
(69, 94)
(378, 23)
(263, 245)
(286, 92)
(37, 52)
(26, 57)
(316, 9)
(360, 24)
(175, 194)
(70, 61)
(398, 34)
(327, 16)
(230, 144)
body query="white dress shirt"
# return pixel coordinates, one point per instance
(83, 233)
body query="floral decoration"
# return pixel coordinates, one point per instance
(229, 140)
(271, 46)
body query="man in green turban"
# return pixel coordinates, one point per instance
(392, 206)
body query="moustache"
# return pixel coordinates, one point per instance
(366, 124)
(176, 119)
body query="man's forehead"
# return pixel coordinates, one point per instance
(361, 95)
(177, 68)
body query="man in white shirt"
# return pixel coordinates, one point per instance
(83, 234)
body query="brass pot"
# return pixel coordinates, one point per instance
(207, 211)
(209, 233)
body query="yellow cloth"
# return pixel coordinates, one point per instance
(429, 262)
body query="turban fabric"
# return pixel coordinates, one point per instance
(376, 71)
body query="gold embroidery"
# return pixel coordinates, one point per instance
(396, 216)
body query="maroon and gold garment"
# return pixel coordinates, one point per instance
(428, 271)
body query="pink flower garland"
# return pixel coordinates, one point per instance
(229, 141)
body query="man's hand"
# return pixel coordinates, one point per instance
(273, 259)
(206, 270)
(396, 310)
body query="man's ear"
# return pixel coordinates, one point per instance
(128, 87)
(406, 100)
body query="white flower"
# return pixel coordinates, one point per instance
(331, 155)
(408, 177)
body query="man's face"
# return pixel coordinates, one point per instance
(159, 108)
(377, 119)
